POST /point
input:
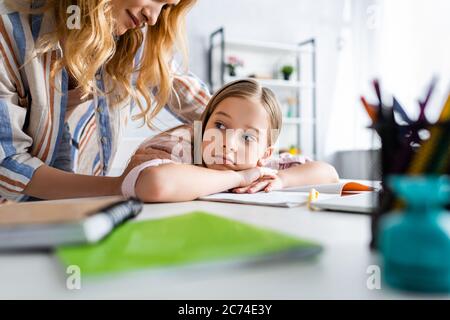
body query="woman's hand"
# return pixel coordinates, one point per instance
(174, 144)
(266, 183)
(250, 176)
(142, 155)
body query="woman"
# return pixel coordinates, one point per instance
(68, 77)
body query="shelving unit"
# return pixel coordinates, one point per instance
(302, 86)
(267, 46)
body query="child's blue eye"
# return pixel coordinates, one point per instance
(249, 138)
(219, 126)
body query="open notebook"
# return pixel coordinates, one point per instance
(292, 197)
(341, 188)
(46, 224)
(272, 199)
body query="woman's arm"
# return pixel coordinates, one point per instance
(21, 173)
(190, 98)
(181, 182)
(50, 183)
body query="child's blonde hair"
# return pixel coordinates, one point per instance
(248, 89)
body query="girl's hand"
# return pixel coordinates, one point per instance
(252, 175)
(266, 183)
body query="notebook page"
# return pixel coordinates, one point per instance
(275, 198)
(334, 188)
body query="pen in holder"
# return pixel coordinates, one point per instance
(408, 147)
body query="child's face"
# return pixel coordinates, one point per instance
(236, 135)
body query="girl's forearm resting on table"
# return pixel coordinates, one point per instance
(49, 183)
(179, 182)
(309, 173)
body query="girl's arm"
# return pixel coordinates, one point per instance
(49, 183)
(181, 182)
(315, 172)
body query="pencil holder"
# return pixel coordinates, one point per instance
(415, 242)
(404, 152)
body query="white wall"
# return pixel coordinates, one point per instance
(415, 46)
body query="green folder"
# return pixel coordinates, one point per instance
(186, 239)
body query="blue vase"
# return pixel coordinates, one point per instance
(415, 242)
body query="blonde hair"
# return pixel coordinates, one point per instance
(93, 46)
(248, 89)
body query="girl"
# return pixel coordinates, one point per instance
(69, 72)
(240, 126)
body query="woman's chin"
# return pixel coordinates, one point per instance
(120, 31)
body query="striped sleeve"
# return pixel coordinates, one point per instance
(17, 166)
(189, 97)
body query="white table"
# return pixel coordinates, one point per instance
(339, 272)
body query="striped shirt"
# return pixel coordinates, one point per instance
(36, 126)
